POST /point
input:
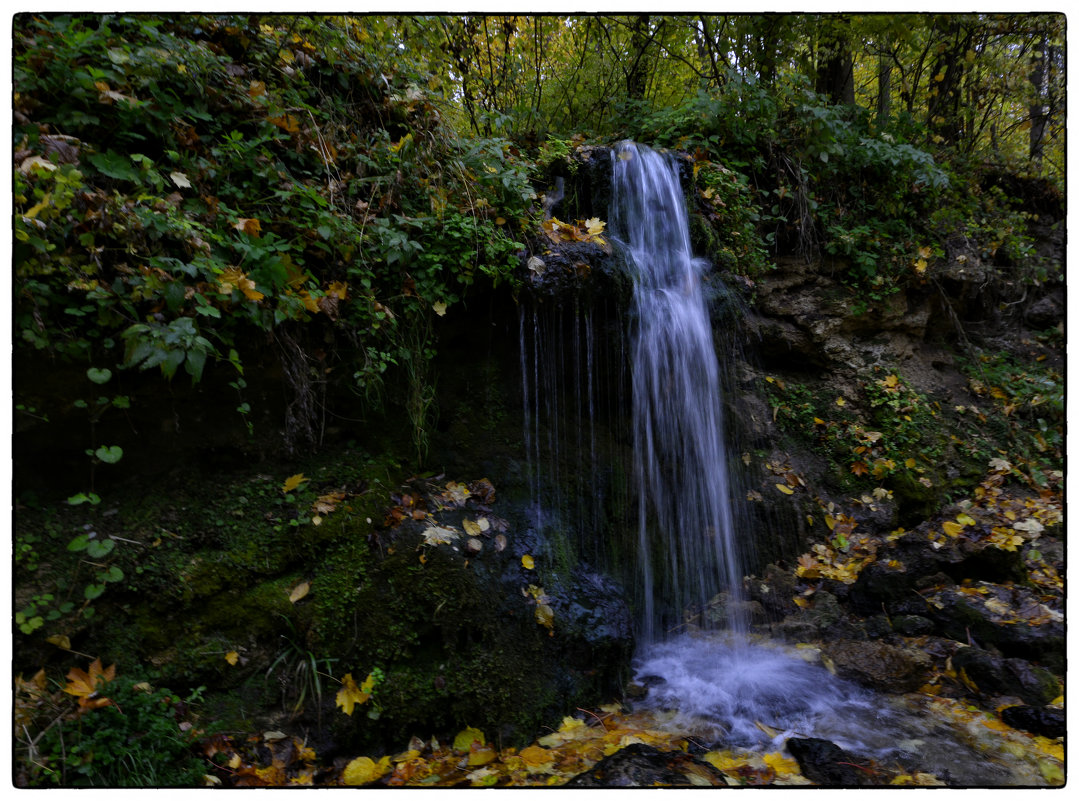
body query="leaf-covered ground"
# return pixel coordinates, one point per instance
(583, 740)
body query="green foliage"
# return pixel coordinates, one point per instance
(135, 741)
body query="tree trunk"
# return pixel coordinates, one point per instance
(637, 73)
(835, 63)
(884, 88)
(1039, 76)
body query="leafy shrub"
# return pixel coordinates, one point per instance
(183, 182)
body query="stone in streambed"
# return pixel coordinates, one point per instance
(825, 763)
(1044, 720)
(641, 765)
(878, 665)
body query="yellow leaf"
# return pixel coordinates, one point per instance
(337, 289)
(481, 755)
(784, 489)
(232, 657)
(724, 760)
(951, 528)
(500, 220)
(910, 463)
(535, 755)
(60, 641)
(840, 401)
(364, 770)
(439, 308)
(594, 226)
(830, 522)
(464, 739)
(965, 519)
(781, 764)
(528, 561)
(349, 695)
(292, 482)
(545, 616)
(299, 591)
(247, 286)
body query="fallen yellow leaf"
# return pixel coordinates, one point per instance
(299, 591)
(784, 489)
(951, 528)
(464, 739)
(528, 561)
(232, 657)
(781, 764)
(349, 695)
(364, 770)
(292, 482)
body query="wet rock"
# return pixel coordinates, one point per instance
(994, 675)
(1044, 720)
(825, 763)
(912, 625)
(878, 665)
(1019, 625)
(641, 765)
(877, 627)
(774, 592)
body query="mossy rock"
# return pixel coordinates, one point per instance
(458, 643)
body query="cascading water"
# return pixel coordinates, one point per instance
(686, 530)
(725, 686)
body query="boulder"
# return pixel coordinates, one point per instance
(1044, 720)
(993, 675)
(826, 764)
(1008, 618)
(880, 666)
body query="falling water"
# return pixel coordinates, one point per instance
(686, 531)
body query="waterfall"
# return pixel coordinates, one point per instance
(635, 467)
(686, 534)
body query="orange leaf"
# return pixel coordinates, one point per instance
(859, 468)
(287, 123)
(249, 226)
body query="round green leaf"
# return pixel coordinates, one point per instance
(96, 549)
(80, 543)
(109, 454)
(92, 591)
(113, 574)
(99, 375)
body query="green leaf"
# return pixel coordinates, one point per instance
(114, 165)
(92, 498)
(97, 549)
(113, 574)
(99, 375)
(92, 591)
(80, 542)
(109, 454)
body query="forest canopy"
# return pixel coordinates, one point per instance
(187, 183)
